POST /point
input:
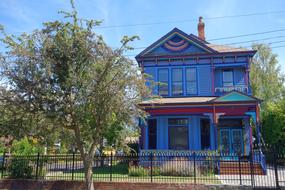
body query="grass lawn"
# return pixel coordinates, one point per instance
(120, 174)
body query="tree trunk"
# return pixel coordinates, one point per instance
(88, 175)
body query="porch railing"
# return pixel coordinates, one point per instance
(258, 157)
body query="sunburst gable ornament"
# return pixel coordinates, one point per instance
(176, 45)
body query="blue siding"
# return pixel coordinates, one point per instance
(218, 78)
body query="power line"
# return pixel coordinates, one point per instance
(234, 43)
(191, 20)
(244, 35)
(255, 40)
(234, 48)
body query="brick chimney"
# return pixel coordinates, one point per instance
(201, 26)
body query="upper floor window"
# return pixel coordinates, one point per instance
(177, 82)
(191, 81)
(163, 82)
(150, 76)
(228, 79)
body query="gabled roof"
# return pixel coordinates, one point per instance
(178, 42)
(235, 96)
(185, 39)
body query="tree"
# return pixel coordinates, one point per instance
(274, 125)
(267, 81)
(16, 124)
(68, 74)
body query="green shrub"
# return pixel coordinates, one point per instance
(155, 171)
(26, 147)
(20, 168)
(138, 171)
(206, 168)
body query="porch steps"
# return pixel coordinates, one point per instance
(233, 168)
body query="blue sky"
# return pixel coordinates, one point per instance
(25, 15)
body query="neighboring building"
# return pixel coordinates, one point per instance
(206, 99)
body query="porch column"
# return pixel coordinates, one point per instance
(214, 137)
(143, 135)
(213, 131)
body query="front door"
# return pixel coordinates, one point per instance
(231, 141)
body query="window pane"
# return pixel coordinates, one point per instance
(163, 75)
(228, 78)
(163, 89)
(177, 75)
(150, 78)
(191, 88)
(177, 121)
(178, 138)
(191, 82)
(177, 89)
(205, 133)
(152, 134)
(163, 79)
(190, 74)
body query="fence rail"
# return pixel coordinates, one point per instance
(190, 167)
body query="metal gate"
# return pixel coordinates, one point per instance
(272, 161)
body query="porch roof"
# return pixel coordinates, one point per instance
(186, 100)
(231, 97)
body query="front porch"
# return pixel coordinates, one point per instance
(231, 135)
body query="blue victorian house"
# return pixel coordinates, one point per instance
(206, 101)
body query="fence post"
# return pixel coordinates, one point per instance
(111, 166)
(66, 162)
(251, 169)
(239, 167)
(3, 165)
(37, 166)
(151, 160)
(194, 158)
(276, 169)
(73, 160)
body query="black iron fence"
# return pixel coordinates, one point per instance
(256, 169)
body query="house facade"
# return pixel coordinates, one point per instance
(205, 100)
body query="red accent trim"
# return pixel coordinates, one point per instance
(173, 48)
(230, 111)
(195, 55)
(176, 43)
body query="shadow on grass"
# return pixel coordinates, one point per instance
(120, 168)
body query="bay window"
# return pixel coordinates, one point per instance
(163, 82)
(177, 82)
(191, 81)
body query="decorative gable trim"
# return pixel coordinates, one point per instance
(235, 96)
(176, 46)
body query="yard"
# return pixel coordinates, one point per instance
(120, 173)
